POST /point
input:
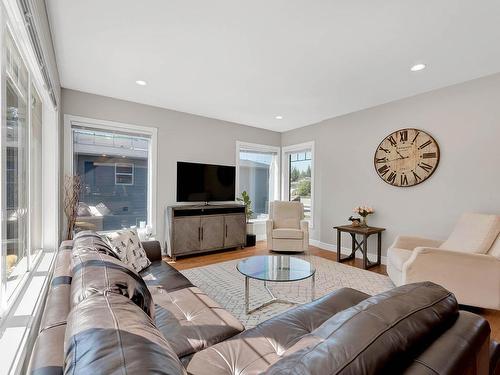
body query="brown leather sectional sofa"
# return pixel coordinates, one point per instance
(101, 318)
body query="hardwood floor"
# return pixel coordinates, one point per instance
(492, 316)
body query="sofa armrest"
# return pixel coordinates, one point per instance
(411, 242)
(152, 249)
(473, 278)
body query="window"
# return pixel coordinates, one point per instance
(258, 175)
(21, 172)
(114, 162)
(106, 161)
(298, 176)
(124, 174)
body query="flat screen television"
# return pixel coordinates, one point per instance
(205, 182)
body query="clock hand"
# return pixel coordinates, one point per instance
(402, 157)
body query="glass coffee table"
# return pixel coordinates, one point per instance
(275, 268)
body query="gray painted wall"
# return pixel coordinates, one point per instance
(465, 121)
(181, 136)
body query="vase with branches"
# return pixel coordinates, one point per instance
(72, 187)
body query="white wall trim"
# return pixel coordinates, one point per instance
(344, 250)
(70, 120)
(284, 172)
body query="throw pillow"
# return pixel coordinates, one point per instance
(127, 245)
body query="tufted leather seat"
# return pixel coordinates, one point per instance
(191, 321)
(252, 351)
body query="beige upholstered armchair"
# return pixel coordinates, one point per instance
(467, 263)
(286, 228)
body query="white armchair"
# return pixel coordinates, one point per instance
(467, 264)
(286, 228)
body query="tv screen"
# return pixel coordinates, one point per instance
(205, 182)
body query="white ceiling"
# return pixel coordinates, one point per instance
(248, 61)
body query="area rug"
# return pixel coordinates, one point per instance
(223, 283)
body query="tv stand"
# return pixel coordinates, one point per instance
(193, 229)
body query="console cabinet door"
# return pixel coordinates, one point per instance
(235, 230)
(187, 234)
(212, 232)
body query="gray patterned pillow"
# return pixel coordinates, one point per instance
(128, 247)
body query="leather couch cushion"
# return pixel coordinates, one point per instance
(456, 349)
(252, 351)
(162, 274)
(48, 352)
(88, 240)
(474, 233)
(191, 321)
(98, 273)
(288, 233)
(375, 336)
(398, 257)
(108, 334)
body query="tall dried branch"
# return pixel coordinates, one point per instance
(72, 187)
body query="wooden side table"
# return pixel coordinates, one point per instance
(356, 245)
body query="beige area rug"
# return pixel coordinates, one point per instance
(223, 283)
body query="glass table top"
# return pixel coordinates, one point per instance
(276, 268)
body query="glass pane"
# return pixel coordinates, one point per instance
(15, 150)
(300, 165)
(36, 171)
(258, 177)
(114, 179)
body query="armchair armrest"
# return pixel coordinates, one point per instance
(304, 225)
(269, 233)
(473, 278)
(411, 242)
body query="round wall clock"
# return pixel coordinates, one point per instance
(406, 157)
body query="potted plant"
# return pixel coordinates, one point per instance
(245, 199)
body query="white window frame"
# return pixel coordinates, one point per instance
(285, 172)
(104, 125)
(246, 146)
(18, 317)
(130, 165)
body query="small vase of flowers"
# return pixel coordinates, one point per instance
(363, 211)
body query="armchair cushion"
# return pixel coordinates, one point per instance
(474, 233)
(286, 214)
(288, 233)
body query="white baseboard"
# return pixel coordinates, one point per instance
(344, 250)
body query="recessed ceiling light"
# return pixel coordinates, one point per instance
(417, 67)
(141, 83)
(279, 117)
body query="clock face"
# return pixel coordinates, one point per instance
(406, 157)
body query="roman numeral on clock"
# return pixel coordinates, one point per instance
(392, 140)
(424, 145)
(381, 160)
(404, 180)
(417, 177)
(391, 178)
(429, 155)
(426, 167)
(403, 136)
(383, 170)
(384, 149)
(415, 138)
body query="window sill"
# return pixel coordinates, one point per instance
(18, 328)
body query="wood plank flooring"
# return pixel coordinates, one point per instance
(492, 316)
